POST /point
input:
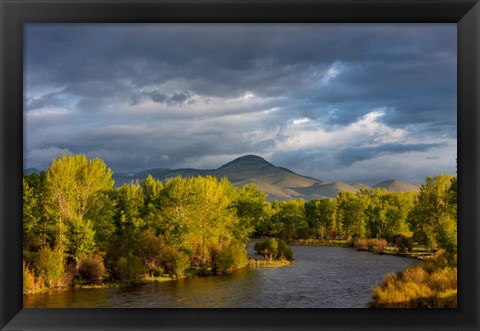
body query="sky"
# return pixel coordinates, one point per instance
(350, 102)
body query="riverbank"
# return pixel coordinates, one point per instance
(103, 285)
(416, 253)
(432, 284)
(149, 280)
(320, 277)
(263, 263)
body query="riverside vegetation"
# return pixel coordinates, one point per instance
(81, 231)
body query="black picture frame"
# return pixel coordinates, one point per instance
(15, 13)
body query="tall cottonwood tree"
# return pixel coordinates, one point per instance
(74, 184)
(351, 213)
(434, 217)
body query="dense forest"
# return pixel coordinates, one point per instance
(78, 228)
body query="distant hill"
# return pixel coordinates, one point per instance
(277, 182)
(30, 171)
(325, 190)
(359, 186)
(394, 185)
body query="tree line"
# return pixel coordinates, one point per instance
(75, 223)
(78, 227)
(402, 218)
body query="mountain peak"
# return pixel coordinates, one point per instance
(248, 161)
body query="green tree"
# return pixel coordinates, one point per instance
(128, 201)
(313, 217)
(74, 184)
(250, 204)
(80, 239)
(197, 212)
(102, 216)
(351, 213)
(150, 249)
(433, 218)
(151, 189)
(50, 265)
(291, 215)
(321, 217)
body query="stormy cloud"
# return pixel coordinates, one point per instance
(332, 101)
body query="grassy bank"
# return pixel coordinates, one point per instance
(432, 284)
(262, 263)
(319, 242)
(103, 285)
(370, 245)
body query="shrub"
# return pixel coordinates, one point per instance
(92, 269)
(284, 251)
(397, 292)
(222, 259)
(174, 262)
(69, 274)
(274, 249)
(377, 245)
(130, 269)
(374, 245)
(49, 266)
(230, 257)
(361, 244)
(415, 275)
(268, 248)
(156, 271)
(443, 279)
(404, 242)
(29, 282)
(431, 284)
(240, 256)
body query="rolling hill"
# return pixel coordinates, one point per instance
(394, 185)
(277, 182)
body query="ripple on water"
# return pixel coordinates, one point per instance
(321, 277)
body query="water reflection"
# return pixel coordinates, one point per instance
(321, 277)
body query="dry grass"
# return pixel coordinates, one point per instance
(374, 245)
(361, 244)
(377, 245)
(430, 285)
(31, 283)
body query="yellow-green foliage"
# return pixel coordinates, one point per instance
(130, 269)
(274, 249)
(432, 284)
(230, 257)
(49, 265)
(174, 262)
(30, 283)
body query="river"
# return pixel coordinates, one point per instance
(320, 277)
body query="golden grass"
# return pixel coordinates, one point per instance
(432, 284)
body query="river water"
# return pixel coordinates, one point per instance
(320, 277)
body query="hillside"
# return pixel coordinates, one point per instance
(277, 182)
(394, 185)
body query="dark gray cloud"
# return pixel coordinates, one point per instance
(177, 98)
(317, 98)
(349, 155)
(44, 101)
